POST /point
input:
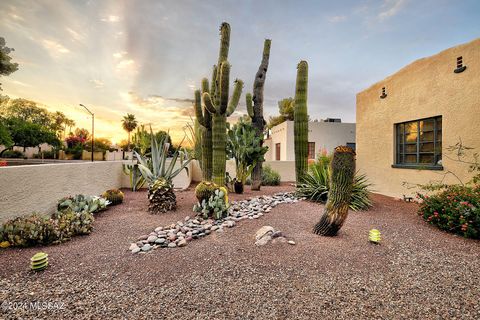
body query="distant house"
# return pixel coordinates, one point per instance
(322, 135)
(406, 122)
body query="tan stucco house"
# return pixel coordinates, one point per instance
(406, 122)
(322, 135)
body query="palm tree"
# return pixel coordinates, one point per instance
(129, 123)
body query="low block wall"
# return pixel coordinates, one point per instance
(36, 188)
(285, 168)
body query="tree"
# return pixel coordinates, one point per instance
(82, 133)
(101, 144)
(5, 138)
(27, 134)
(6, 65)
(129, 123)
(286, 108)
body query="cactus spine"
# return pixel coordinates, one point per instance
(204, 119)
(218, 105)
(341, 182)
(300, 126)
(256, 111)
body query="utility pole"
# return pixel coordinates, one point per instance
(93, 125)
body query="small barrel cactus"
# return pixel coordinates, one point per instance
(205, 190)
(39, 261)
(115, 196)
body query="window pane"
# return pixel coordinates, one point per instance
(411, 127)
(426, 125)
(410, 158)
(426, 136)
(439, 135)
(411, 137)
(426, 147)
(439, 123)
(438, 148)
(411, 148)
(426, 158)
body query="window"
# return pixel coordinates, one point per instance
(311, 150)
(419, 144)
(277, 151)
(351, 145)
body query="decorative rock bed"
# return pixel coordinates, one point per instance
(180, 233)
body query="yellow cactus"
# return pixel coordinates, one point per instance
(374, 236)
(4, 244)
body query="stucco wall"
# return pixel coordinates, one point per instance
(36, 188)
(326, 135)
(426, 88)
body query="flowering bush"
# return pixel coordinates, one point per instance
(454, 209)
(3, 163)
(73, 141)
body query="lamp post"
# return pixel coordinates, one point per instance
(93, 125)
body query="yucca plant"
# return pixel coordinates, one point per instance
(316, 184)
(159, 175)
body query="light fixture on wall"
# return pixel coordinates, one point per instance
(384, 93)
(460, 66)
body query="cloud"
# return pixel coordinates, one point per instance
(97, 83)
(391, 8)
(337, 19)
(119, 55)
(54, 48)
(111, 19)
(75, 36)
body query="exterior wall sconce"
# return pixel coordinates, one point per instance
(384, 93)
(460, 66)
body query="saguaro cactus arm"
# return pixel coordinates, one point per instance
(208, 103)
(198, 108)
(259, 83)
(248, 101)
(224, 87)
(237, 92)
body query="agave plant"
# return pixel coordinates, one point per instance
(159, 175)
(316, 183)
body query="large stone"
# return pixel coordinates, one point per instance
(132, 246)
(172, 245)
(182, 243)
(152, 239)
(160, 240)
(136, 250)
(263, 241)
(146, 247)
(263, 231)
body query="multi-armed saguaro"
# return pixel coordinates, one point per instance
(216, 102)
(300, 125)
(341, 183)
(256, 111)
(204, 119)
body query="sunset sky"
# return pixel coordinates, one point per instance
(147, 57)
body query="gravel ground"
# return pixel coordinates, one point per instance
(418, 272)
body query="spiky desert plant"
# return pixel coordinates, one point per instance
(204, 121)
(218, 104)
(160, 175)
(300, 125)
(256, 111)
(341, 184)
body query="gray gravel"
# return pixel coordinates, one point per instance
(418, 272)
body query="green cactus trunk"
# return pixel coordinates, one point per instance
(207, 155)
(257, 112)
(300, 126)
(219, 140)
(341, 183)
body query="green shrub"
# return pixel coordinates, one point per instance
(454, 209)
(270, 177)
(316, 184)
(46, 155)
(12, 154)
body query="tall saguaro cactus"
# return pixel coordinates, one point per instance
(300, 126)
(256, 111)
(218, 104)
(204, 119)
(341, 183)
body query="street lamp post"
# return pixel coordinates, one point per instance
(93, 125)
